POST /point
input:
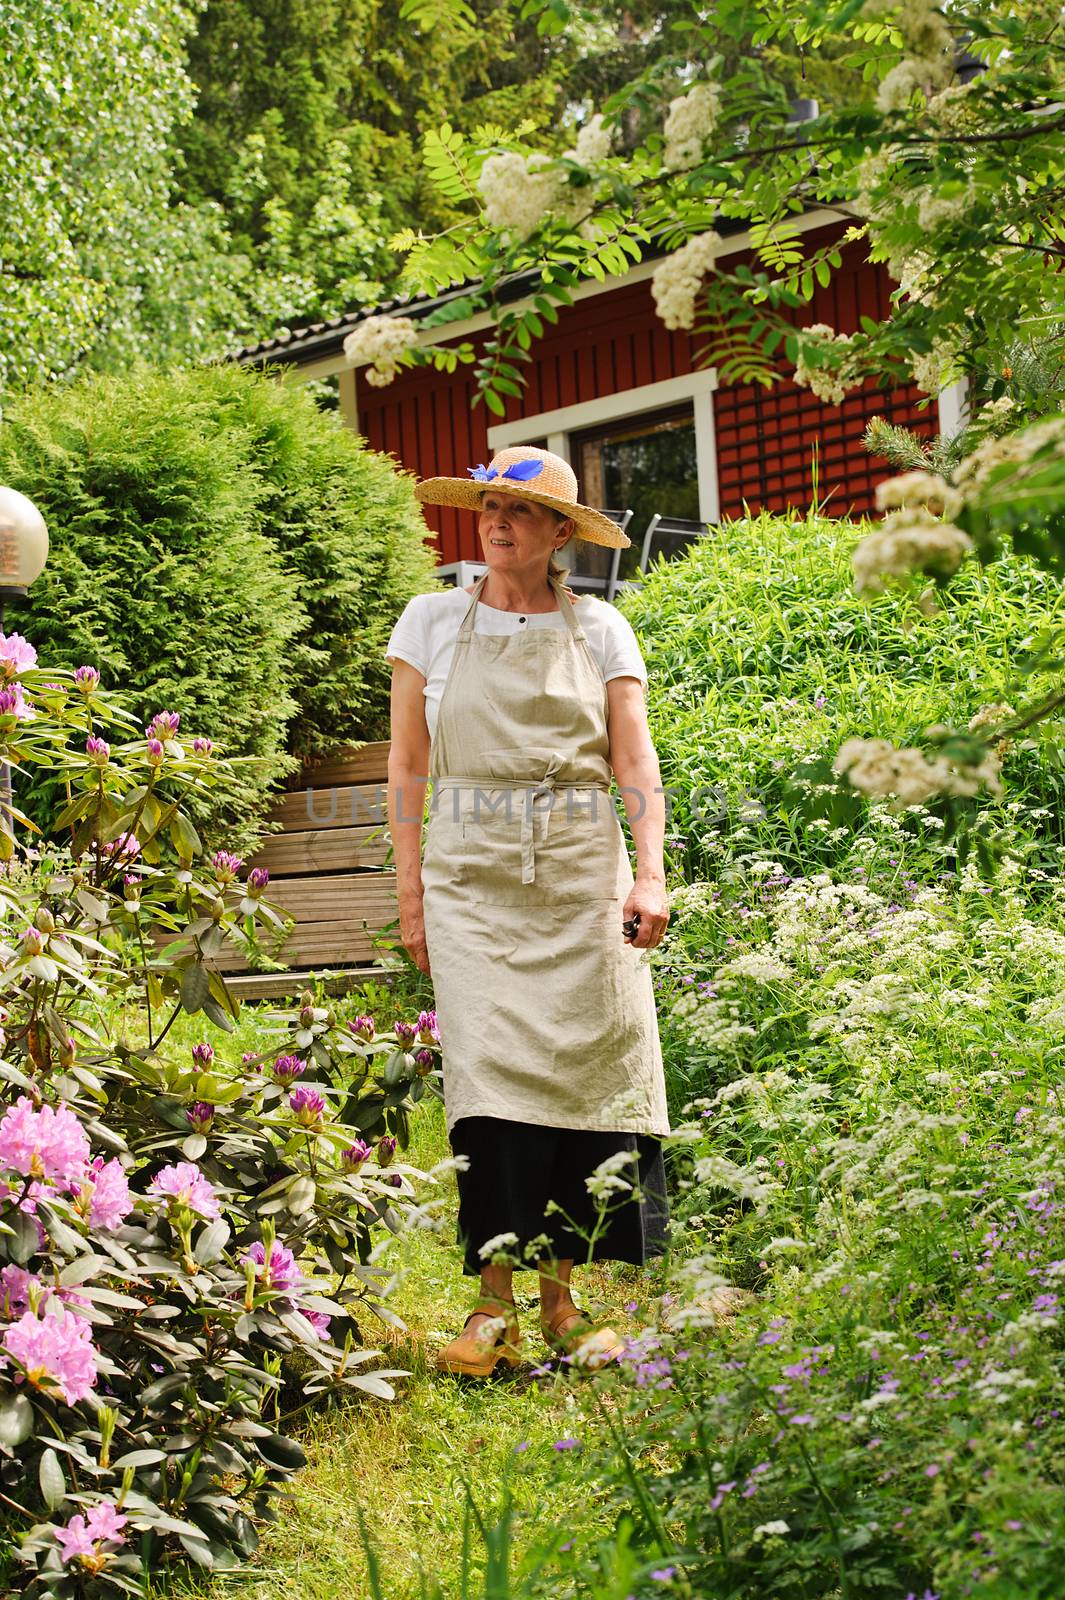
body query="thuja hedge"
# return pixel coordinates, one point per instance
(219, 546)
(762, 658)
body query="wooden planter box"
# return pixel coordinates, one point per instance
(327, 870)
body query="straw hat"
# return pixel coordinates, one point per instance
(534, 475)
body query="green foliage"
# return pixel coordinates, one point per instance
(923, 164)
(88, 100)
(160, 573)
(762, 659)
(221, 549)
(347, 529)
(191, 1356)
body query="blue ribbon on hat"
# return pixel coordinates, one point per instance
(518, 471)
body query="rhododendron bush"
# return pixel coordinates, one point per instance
(182, 1237)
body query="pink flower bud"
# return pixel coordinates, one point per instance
(258, 878)
(32, 942)
(363, 1027)
(386, 1149)
(287, 1069)
(202, 747)
(405, 1032)
(155, 752)
(226, 865)
(87, 679)
(353, 1157)
(425, 1062)
(307, 1105)
(164, 725)
(98, 749)
(203, 1054)
(200, 1116)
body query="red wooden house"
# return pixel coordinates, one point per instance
(646, 427)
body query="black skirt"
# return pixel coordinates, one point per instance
(516, 1168)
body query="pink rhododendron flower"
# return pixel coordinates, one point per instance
(43, 1144)
(15, 1285)
(83, 1535)
(428, 1030)
(202, 747)
(282, 1272)
(13, 703)
(307, 1105)
(184, 1183)
(164, 725)
(318, 1321)
(16, 655)
(56, 1351)
(126, 846)
(110, 1201)
(363, 1027)
(226, 865)
(86, 678)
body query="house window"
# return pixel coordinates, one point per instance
(645, 464)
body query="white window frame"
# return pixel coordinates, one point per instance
(558, 426)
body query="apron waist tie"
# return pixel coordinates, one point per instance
(534, 789)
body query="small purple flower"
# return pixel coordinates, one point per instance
(98, 750)
(287, 1069)
(664, 1574)
(395, 1180)
(405, 1032)
(425, 1062)
(87, 679)
(248, 1055)
(226, 865)
(363, 1027)
(307, 1105)
(567, 1444)
(164, 725)
(386, 1149)
(200, 1116)
(202, 747)
(258, 878)
(203, 1054)
(353, 1157)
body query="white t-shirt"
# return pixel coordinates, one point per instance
(426, 632)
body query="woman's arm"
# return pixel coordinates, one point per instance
(635, 764)
(408, 770)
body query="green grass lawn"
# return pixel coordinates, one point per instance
(406, 1463)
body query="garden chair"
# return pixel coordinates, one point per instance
(580, 581)
(668, 536)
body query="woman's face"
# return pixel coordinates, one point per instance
(519, 534)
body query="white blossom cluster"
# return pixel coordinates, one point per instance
(909, 540)
(912, 490)
(829, 383)
(593, 143)
(677, 281)
(1013, 449)
(929, 61)
(932, 369)
(379, 342)
(879, 769)
(691, 120)
(519, 192)
(935, 208)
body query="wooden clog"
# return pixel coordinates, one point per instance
(477, 1353)
(570, 1333)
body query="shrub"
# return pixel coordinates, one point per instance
(185, 1240)
(874, 1152)
(221, 547)
(346, 523)
(761, 657)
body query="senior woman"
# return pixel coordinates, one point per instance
(519, 701)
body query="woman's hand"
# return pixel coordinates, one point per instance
(648, 897)
(412, 931)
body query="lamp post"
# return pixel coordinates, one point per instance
(23, 553)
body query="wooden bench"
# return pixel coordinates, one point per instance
(327, 871)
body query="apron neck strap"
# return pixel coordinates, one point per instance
(565, 605)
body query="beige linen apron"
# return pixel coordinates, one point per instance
(546, 1014)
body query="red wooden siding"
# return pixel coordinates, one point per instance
(614, 341)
